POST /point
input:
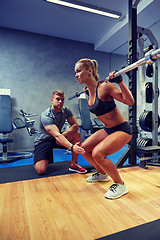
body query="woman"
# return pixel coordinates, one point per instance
(117, 131)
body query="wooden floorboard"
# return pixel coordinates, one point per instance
(66, 207)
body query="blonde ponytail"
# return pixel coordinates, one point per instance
(87, 63)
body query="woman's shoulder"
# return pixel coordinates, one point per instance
(104, 90)
(106, 84)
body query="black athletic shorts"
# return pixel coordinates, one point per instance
(44, 150)
(124, 127)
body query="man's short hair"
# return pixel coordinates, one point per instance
(57, 92)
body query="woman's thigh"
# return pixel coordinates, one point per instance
(94, 140)
(112, 143)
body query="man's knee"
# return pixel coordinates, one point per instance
(41, 167)
(76, 137)
(40, 170)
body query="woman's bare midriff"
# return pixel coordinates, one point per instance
(112, 118)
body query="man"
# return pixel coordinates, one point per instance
(49, 135)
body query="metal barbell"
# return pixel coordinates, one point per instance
(149, 58)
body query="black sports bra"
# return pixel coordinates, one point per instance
(100, 107)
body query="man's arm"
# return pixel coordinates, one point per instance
(54, 131)
(73, 128)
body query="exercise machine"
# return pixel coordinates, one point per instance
(29, 122)
(7, 126)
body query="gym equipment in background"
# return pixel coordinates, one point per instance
(6, 126)
(29, 122)
(148, 147)
(145, 121)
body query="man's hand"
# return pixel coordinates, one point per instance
(78, 149)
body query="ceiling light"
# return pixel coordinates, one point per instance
(87, 7)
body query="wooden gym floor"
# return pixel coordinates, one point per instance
(66, 207)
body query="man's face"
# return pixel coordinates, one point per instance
(57, 102)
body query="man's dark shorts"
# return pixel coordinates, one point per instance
(44, 150)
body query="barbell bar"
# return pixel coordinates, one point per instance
(149, 58)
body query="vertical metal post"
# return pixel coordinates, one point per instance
(130, 153)
(142, 74)
(132, 57)
(155, 105)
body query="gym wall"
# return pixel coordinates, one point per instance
(32, 66)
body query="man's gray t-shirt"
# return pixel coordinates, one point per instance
(49, 117)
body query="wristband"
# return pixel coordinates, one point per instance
(117, 80)
(72, 148)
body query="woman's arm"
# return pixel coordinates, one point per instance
(108, 91)
(124, 95)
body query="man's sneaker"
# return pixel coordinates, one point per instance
(98, 177)
(77, 168)
(116, 191)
